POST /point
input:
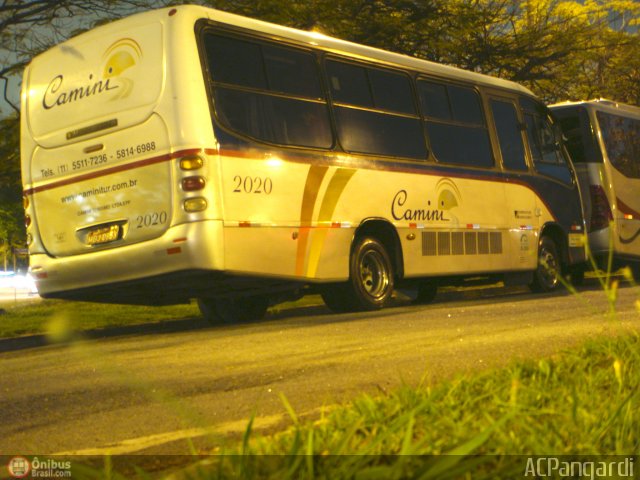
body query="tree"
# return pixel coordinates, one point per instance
(29, 27)
(12, 231)
(561, 49)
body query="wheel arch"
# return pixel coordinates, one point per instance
(385, 232)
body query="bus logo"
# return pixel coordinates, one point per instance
(447, 197)
(120, 57)
(117, 59)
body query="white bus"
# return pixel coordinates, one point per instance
(190, 153)
(604, 143)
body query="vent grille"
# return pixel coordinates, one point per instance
(461, 243)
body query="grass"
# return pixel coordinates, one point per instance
(39, 317)
(584, 401)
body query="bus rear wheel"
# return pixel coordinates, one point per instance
(546, 277)
(233, 310)
(371, 281)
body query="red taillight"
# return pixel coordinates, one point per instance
(601, 215)
(27, 221)
(192, 184)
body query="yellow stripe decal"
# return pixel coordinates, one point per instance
(312, 187)
(334, 191)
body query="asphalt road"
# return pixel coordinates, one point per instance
(150, 389)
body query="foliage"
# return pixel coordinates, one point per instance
(562, 49)
(12, 232)
(583, 404)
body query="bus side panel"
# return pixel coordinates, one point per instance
(562, 202)
(298, 220)
(625, 203)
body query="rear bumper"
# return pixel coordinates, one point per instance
(146, 272)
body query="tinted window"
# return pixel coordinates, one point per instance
(434, 100)
(509, 136)
(621, 137)
(455, 124)
(374, 132)
(580, 138)
(268, 92)
(292, 72)
(465, 105)
(376, 111)
(544, 142)
(391, 91)
(235, 61)
(460, 145)
(274, 119)
(349, 84)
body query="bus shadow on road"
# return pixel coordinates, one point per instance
(309, 312)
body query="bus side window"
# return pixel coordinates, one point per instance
(621, 137)
(545, 142)
(455, 124)
(268, 92)
(375, 111)
(507, 125)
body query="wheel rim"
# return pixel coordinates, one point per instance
(374, 274)
(548, 268)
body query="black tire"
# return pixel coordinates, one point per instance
(370, 275)
(233, 310)
(370, 283)
(427, 291)
(576, 276)
(335, 298)
(546, 277)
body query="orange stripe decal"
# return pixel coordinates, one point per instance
(312, 187)
(329, 202)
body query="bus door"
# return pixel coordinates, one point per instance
(522, 214)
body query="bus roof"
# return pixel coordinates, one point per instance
(604, 105)
(315, 39)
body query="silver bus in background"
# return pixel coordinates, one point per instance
(603, 138)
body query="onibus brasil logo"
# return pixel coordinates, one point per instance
(117, 60)
(21, 467)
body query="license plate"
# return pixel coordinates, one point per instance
(103, 235)
(576, 240)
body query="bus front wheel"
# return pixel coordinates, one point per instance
(233, 310)
(546, 277)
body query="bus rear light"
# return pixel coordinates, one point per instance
(193, 184)
(196, 204)
(191, 163)
(27, 221)
(601, 215)
(29, 239)
(25, 202)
